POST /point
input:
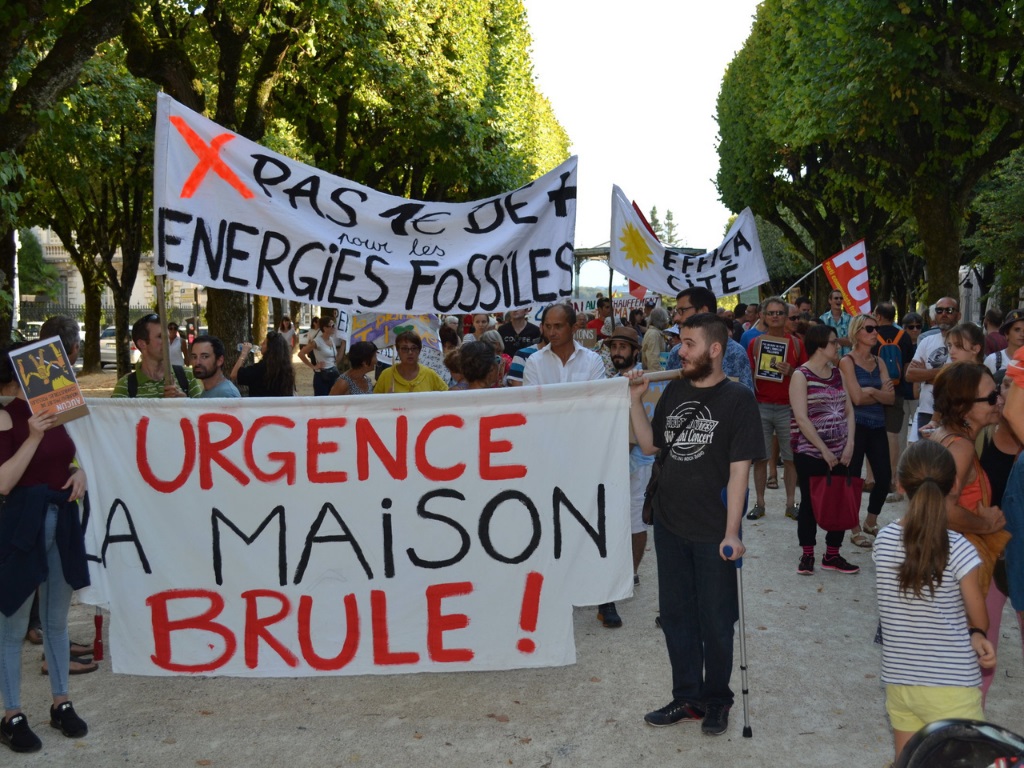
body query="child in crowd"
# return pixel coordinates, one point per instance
(931, 606)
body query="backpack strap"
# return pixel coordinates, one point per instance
(179, 374)
(133, 385)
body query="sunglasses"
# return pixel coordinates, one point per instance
(912, 327)
(794, 317)
(870, 329)
(992, 398)
(947, 310)
(778, 313)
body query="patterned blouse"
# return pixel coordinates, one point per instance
(826, 408)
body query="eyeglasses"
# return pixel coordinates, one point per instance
(408, 349)
(992, 398)
(775, 313)
(683, 310)
(947, 310)
(912, 327)
(870, 329)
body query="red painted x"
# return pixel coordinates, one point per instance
(209, 159)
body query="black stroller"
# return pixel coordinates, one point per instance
(962, 744)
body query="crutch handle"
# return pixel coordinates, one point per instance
(727, 551)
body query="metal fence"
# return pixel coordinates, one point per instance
(38, 311)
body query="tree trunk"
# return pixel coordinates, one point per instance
(92, 287)
(8, 258)
(940, 227)
(227, 319)
(259, 319)
(124, 363)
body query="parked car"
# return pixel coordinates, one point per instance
(17, 336)
(31, 329)
(108, 348)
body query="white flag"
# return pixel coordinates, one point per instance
(734, 266)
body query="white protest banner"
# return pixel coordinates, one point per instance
(847, 272)
(232, 214)
(376, 535)
(737, 264)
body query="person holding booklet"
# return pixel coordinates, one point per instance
(773, 357)
(42, 545)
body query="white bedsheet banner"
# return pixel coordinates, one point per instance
(232, 214)
(371, 535)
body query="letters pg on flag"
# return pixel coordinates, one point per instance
(231, 214)
(735, 265)
(847, 271)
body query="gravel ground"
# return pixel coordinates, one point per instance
(815, 694)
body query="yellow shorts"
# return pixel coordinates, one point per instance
(911, 707)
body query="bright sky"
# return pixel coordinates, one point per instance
(635, 83)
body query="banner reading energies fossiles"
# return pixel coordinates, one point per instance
(232, 214)
(427, 532)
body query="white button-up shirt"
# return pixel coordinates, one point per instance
(545, 367)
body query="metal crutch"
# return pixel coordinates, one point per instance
(747, 733)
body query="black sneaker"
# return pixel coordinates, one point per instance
(806, 566)
(837, 563)
(608, 616)
(676, 712)
(716, 721)
(64, 718)
(16, 734)
(756, 512)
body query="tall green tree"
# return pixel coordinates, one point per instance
(43, 46)
(90, 171)
(222, 58)
(872, 76)
(996, 236)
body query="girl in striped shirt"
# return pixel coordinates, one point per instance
(929, 601)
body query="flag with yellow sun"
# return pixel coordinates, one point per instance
(734, 266)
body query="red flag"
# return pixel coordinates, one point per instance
(847, 272)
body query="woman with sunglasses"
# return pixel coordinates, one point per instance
(866, 379)
(327, 350)
(966, 401)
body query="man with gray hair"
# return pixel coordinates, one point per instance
(654, 345)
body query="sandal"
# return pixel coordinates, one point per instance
(773, 483)
(860, 540)
(81, 649)
(870, 529)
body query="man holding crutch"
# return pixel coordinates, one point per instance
(709, 430)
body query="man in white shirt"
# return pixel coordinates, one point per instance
(931, 355)
(563, 359)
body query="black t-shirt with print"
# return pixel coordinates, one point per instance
(690, 498)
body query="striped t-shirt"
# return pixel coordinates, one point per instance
(925, 640)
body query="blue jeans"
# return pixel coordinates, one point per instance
(323, 380)
(699, 606)
(54, 603)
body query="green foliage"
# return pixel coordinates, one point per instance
(431, 99)
(35, 274)
(997, 238)
(854, 114)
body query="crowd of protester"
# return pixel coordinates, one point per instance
(831, 392)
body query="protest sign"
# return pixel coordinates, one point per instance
(387, 534)
(230, 213)
(47, 379)
(737, 264)
(770, 353)
(847, 272)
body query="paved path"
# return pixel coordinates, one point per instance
(815, 694)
